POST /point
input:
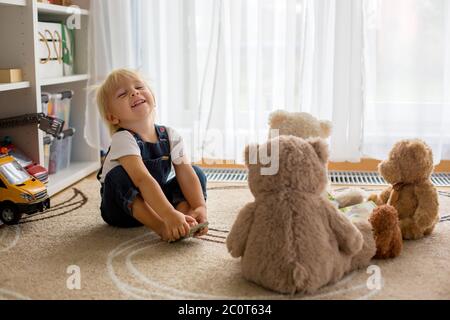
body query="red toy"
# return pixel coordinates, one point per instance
(32, 168)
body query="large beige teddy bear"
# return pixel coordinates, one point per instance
(299, 124)
(408, 169)
(291, 239)
(304, 125)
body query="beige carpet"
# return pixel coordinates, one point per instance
(37, 258)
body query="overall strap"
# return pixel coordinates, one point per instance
(162, 133)
(99, 173)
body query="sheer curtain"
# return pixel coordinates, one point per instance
(111, 45)
(407, 74)
(219, 67)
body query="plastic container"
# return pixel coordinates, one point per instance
(57, 152)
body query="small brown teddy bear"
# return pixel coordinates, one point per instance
(387, 233)
(291, 239)
(304, 125)
(408, 170)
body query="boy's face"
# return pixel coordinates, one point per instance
(131, 101)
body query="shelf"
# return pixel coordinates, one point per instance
(61, 80)
(21, 3)
(67, 177)
(14, 86)
(58, 10)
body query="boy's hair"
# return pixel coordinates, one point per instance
(106, 89)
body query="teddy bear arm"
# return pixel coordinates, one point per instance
(382, 198)
(350, 197)
(237, 238)
(349, 238)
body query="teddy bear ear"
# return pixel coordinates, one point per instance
(321, 148)
(420, 147)
(277, 117)
(326, 127)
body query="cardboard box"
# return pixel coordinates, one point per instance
(10, 75)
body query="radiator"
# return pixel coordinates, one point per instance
(336, 177)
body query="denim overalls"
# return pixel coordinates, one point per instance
(118, 191)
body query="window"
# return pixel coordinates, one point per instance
(406, 56)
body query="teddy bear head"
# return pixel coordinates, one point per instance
(410, 161)
(287, 163)
(299, 124)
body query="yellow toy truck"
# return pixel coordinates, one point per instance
(19, 192)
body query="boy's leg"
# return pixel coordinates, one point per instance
(148, 217)
(174, 194)
(123, 207)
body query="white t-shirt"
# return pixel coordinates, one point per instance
(124, 144)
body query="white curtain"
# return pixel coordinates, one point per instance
(111, 46)
(378, 69)
(219, 67)
(407, 74)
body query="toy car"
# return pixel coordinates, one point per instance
(19, 192)
(32, 168)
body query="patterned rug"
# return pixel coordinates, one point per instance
(69, 253)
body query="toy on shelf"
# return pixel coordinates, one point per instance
(50, 125)
(20, 193)
(10, 75)
(32, 168)
(56, 129)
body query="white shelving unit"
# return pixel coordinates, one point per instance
(60, 10)
(19, 38)
(14, 86)
(67, 79)
(13, 2)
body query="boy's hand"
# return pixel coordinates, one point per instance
(177, 225)
(201, 216)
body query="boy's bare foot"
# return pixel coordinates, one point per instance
(201, 216)
(163, 233)
(183, 207)
(198, 214)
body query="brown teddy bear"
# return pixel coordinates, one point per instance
(304, 125)
(408, 170)
(387, 233)
(291, 239)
